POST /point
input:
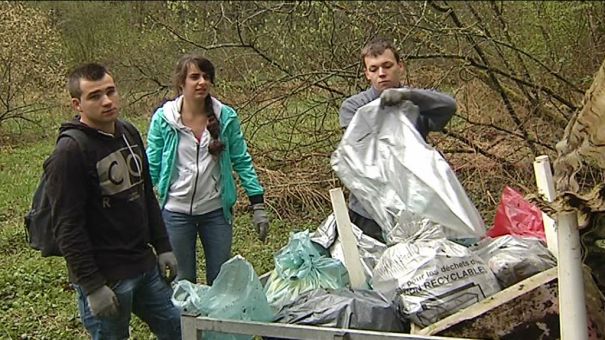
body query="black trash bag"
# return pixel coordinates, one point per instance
(592, 240)
(343, 308)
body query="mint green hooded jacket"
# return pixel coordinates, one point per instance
(162, 143)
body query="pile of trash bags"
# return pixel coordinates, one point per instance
(436, 259)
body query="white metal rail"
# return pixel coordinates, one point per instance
(192, 328)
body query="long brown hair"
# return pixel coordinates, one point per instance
(180, 73)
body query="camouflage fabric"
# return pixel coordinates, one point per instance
(579, 170)
(579, 174)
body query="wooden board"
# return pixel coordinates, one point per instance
(526, 310)
(349, 242)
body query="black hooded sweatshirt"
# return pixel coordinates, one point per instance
(105, 215)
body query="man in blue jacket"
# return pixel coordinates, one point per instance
(383, 67)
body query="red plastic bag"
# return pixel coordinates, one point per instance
(516, 216)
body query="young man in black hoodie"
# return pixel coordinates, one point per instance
(106, 219)
(383, 67)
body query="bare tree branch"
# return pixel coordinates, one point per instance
(473, 62)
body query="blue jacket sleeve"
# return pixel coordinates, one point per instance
(155, 145)
(242, 162)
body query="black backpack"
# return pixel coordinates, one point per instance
(38, 220)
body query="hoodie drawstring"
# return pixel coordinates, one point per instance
(136, 160)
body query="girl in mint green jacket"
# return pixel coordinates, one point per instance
(194, 144)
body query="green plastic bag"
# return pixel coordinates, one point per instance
(299, 268)
(189, 297)
(236, 294)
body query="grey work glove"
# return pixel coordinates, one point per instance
(168, 265)
(260, 220)
(392, 97)
(103, 302)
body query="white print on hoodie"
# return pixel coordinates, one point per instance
(195, 183)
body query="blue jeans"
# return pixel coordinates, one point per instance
(147, 296)
(214, 233)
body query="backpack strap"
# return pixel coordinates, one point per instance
(79, 136)
(84, 143)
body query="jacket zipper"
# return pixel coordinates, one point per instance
(197, 173)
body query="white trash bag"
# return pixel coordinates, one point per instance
(429, 279)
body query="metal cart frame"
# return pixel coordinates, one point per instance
(193, 327)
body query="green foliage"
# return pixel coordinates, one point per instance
(37, 303)
(40, 303)
(29, 61)
(568, 26)
(286, 68)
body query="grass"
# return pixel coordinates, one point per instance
(37, 300)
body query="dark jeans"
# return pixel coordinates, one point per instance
(147, 296)
(368, 226)
(214, 232)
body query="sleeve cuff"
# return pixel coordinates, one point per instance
(162, 247)
(93, 284)
(256, 199)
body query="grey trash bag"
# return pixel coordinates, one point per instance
(370, 250)
(343, 308)
(412, 227)
(387, 165)
(430, 279)
(236, 294)
(513, 259)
